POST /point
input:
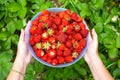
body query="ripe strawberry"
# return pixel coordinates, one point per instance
(77, 28)
(37, 38)
(45, 57)
(54, 62)
(60, 59)
(77, 45)
(62, 37)
(70, 37)
(51, 53)
(31, 40)
(52, 40)
(45, 35)
(41, 25)
(68, 11)
(39, 31)
(54, 26)
(49, 61)
(40, 53)
(54, 46)
(83, 42)
(45, 12)
(67, 52)
(44, 18)
(62, 47)
(61, 14)
(49, 23)
(33, 29)
(78, 36)
(68, 44)
(64, 21)
(84, 32)
(34, 48)
(69, 30)
(74, 16)
(68, 59)
(59, 52)
(79, 19)
(35, 22)
(57, 21)
(82, 25)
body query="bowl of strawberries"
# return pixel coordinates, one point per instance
(57, 37)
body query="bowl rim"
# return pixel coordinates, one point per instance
(40, 60)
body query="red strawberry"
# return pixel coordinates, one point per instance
(68, 59)
(77, 45)
(68, 44)
(41, 25)
(31, 40)
(54, 26)
(53, 46)
(60, 59)
(79, 19)
(49, 23)
(37, 38)
(64, 22)
(77, 36)
(35, 48)
(67, 52)
(44, 18)
(62, 37)
(45, 35)
(33, 29)
(62, 47)
(57, 21)
(35, 22)
(51, 53)
(77, 28)
(61, 14)
(83, 42)
(52, 40)
(54, 62)
(84, 32)
(82, 25)
(45, 12)
(49, 61)
(59, 52)
(69, 29)
(68, 11)
(40, 53)
(70, 37)
(45, 57)
(74, 16)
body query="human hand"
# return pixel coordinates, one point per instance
(92, 46)
(23, 53)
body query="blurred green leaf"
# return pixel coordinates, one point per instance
(116, 72)
(113, 53)
(4, 35)
(14, 7)
(15, 39)
(2, 24)
(22, 2)
(118, 41)
(22, 12)
(98, 27)
(7, 44)
(19, 24)
(119, 63)
(11, 27)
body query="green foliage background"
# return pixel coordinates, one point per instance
(100, 14)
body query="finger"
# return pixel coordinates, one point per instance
(89, 37)
(28, 26)
(22, 35)
(94, 35)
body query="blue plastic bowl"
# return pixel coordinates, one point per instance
(40, 60)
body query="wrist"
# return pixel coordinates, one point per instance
(19, 65)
